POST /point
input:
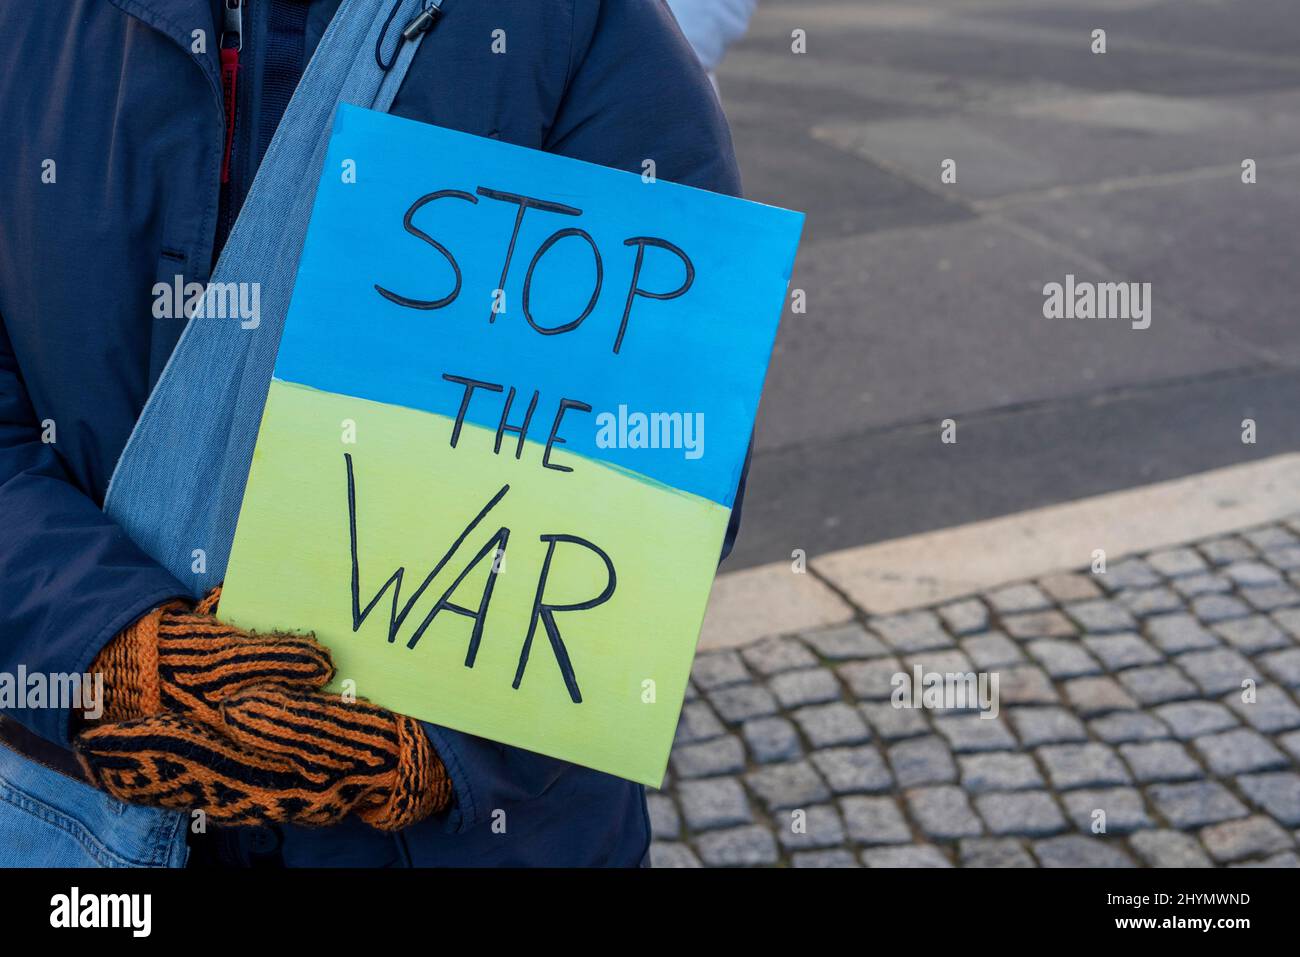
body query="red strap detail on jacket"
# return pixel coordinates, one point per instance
(229, 73)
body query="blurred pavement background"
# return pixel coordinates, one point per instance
(925, 299)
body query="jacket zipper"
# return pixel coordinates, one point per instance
(232, 41)
(231, 44)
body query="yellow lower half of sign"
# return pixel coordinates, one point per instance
(343, 487)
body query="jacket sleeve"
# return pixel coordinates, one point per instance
(636, 91)
(70, 579)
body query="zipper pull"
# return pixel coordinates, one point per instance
(232, 25)
(232, 41)
(423, 21)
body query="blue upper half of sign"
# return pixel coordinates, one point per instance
(636, 297)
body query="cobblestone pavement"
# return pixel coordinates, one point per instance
(1120, 693)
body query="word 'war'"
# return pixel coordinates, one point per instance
(542, 610)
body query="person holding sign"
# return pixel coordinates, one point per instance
(126, 174)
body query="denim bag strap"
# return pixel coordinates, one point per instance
(178, 485)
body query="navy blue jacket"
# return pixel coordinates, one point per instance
(112, 134)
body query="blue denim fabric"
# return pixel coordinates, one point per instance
(49, 820)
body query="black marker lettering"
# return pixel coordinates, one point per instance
(565, 405)
(421, 234)
(641, 242)
(528, 281)
(396, 618)
(520, 430)
(497, 545)
(547, 613)
(470, 385)
(525, 203)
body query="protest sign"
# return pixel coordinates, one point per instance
(508, 416)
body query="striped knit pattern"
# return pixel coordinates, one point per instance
(175, 659)
(287, 759)
(199, 714)
(324, 735)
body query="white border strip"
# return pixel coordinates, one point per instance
(921, 570)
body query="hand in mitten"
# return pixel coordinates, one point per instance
(184, 660)
(200, 714)
(285, 755)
